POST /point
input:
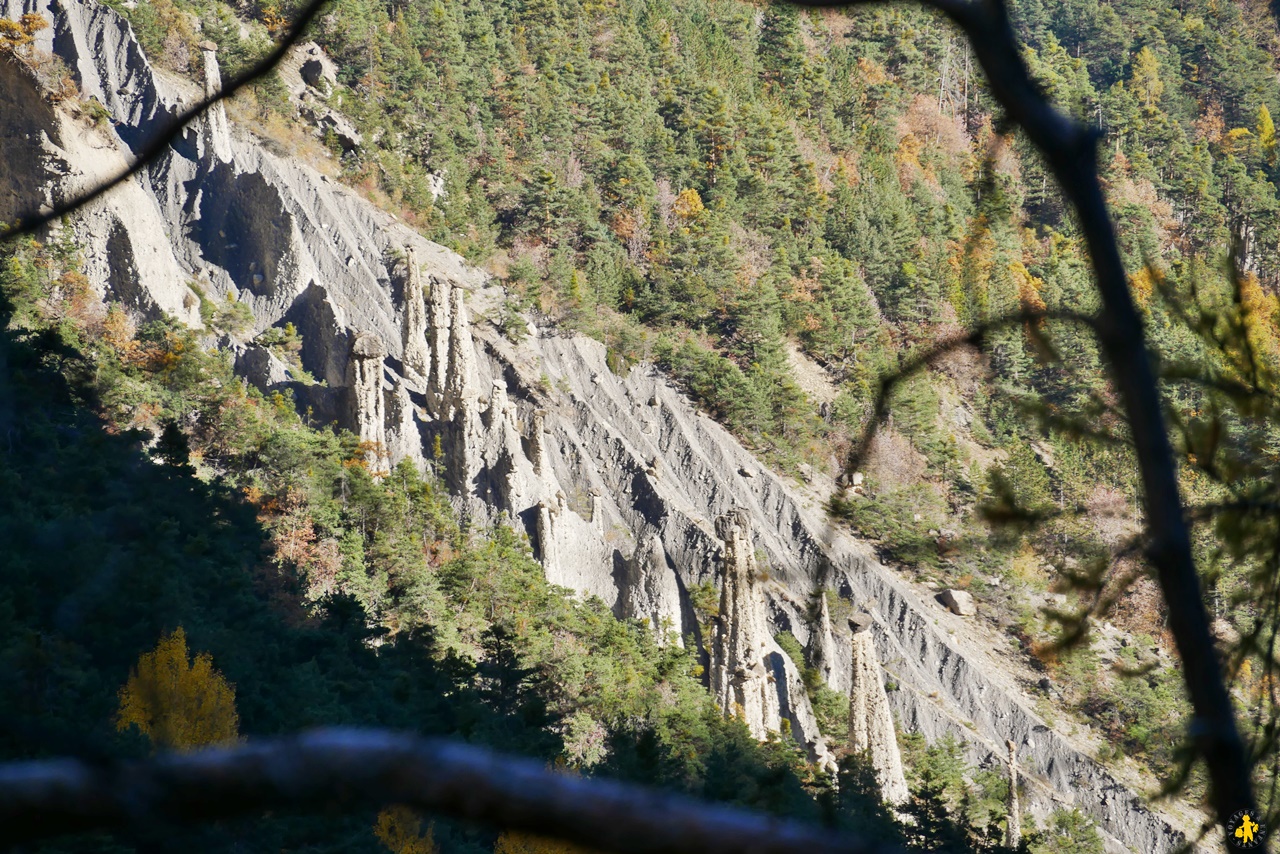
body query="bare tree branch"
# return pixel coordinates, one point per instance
(1071, 151)
(345, 768)
(31, 222)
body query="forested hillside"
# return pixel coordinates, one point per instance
(775, 205)
(719, 186)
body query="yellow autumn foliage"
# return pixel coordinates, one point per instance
(20, 33)
(400, 829)
(512, 842)
(688, 205)
(1028, 286)
(178, 702)
(1260, 312)
(1142, 285)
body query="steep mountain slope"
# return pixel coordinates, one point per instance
(626, 490)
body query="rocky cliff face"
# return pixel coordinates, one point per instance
(615, 478)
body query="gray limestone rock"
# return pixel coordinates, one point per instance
(1013, 829)
(650, 591)
(822, 644)
(328, 120)
(368, 403)
(438, 326)
(417, 354)
(215, 119)
(958, 602)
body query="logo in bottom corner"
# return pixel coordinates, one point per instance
(1244, 832)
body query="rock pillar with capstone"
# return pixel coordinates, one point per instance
(217, 133)
(368, 403)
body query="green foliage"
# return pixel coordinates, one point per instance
(737, 179)
(792, 648)
(831, 708)
(1068, 832)
(1022, 481)
(231, 316)
(891, 519)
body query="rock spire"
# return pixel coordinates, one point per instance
(417, 355)
(822, 646)
(368, 403)
(740, 677)
(871, 727)
(1013, 829)
(438, 333)
(460, 367)
(217, 132)
(650, 592)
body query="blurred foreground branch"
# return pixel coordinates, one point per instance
(347, 768)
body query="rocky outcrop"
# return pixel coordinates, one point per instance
(871, 729)
(958, 602)
(743, 678)
(417, 354)
(822, 647)
(459, 398)
(438, 327)
(615, 465)
(217, 134)
(368, 403)
(650, 591)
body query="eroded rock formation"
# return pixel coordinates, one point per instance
(822, 648)
(1013, 829)
(217, 132)
(871, 729)
(650, 591)
(438, 328)
(368, 403)
(417, 354)
(742, 676)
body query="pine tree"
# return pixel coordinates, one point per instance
(781, 48)
(1147, 80)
